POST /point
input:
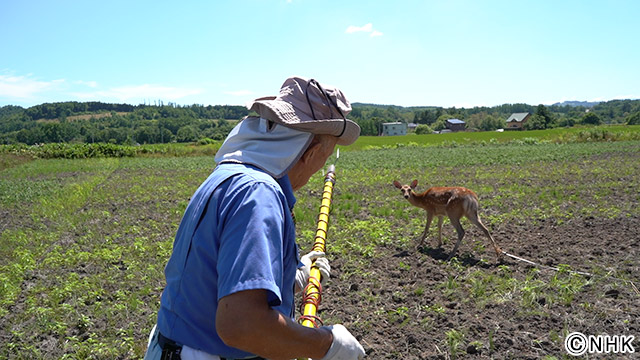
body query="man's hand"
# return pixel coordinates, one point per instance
(302, 275)
(344, 345)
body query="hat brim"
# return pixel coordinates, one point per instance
(282, 112)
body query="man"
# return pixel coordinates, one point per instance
(235, 266)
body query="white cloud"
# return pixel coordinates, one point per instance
(368, 28)
(24, 87)
(352, 29)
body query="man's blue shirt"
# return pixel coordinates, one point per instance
(237, 234)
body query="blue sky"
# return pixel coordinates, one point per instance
(461, 53)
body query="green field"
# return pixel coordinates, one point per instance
(83, 242)
(556, 135)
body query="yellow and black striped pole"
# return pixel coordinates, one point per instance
(313, 291)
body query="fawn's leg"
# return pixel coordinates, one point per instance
(476, 221)
(440, 219)
(426, 228)
(455, 221)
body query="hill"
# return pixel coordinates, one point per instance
(586, 104)
(89, 122)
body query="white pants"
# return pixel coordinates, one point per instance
(154, 352)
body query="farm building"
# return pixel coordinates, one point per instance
(516, 120)
(455, 125)
(394, 128)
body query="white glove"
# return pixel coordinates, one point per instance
(344, 345)
(302, 275)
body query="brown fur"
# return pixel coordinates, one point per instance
(454, 202)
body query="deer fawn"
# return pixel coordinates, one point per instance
(454, 202)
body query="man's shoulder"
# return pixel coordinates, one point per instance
(243, 175)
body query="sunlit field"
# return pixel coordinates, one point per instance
(84, 241)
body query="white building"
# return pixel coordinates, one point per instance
(394, 128)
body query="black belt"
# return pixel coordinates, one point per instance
(171, 350)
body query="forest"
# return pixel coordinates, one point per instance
(97, 122)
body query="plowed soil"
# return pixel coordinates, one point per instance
(501, 329)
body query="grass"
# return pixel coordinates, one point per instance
(455, 342)
(101, 150)
(557, 135)
(85, 253)
(84, 241)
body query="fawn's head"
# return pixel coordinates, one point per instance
(406, 189)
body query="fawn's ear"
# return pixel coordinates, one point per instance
(414, 183)
(397, 184)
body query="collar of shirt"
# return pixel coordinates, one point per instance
(287, 189)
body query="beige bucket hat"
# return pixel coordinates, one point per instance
(305, 105)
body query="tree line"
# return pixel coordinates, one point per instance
(370, 117)
(97, 122)
(94, 122)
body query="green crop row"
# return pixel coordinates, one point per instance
(101, 150)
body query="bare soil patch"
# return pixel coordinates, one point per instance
(410, 285)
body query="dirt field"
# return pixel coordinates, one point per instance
(84, 244)
(497, 330)
(411, 304)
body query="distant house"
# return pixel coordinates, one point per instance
(517, 120)
(412, 126)
(394, 128)
(455, 125)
